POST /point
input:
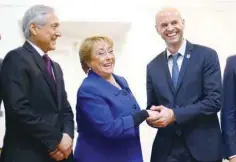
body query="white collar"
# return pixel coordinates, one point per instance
(37, 48)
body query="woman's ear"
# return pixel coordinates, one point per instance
(89, 65)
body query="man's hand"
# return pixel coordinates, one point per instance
(165, 116)
(66, 145)
(153, 115)
(232, 159)
(57, 155)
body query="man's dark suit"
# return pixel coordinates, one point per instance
(37, 112)
(195, 103)
(228, 114)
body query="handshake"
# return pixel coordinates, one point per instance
(160, 116)
(64, 149)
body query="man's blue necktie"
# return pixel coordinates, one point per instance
(175, 69)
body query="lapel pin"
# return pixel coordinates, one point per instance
(188, 56)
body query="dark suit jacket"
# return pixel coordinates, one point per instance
(228, 114)
(37, 113)
(106, 127)
(195, 103)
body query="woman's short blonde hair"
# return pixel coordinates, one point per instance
(85, 51)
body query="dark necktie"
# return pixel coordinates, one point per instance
(175, 69)
(48, 64)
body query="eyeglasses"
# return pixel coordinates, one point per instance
(103, 52)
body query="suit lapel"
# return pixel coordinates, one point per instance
(164, 64)
(57, 82)
(186, 59)
(123, 84)
(105, 84)
(41, 65)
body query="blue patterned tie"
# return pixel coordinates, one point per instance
(175, 69)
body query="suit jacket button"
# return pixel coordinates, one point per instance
(134, 106)
(125, 93)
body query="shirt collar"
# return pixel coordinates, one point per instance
(41, 53)
(181, 50)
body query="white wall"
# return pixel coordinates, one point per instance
(207, 22)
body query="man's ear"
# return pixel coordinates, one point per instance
(33, 29)
(183, 21)
(157, 29)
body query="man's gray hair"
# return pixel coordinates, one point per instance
(37, 15)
